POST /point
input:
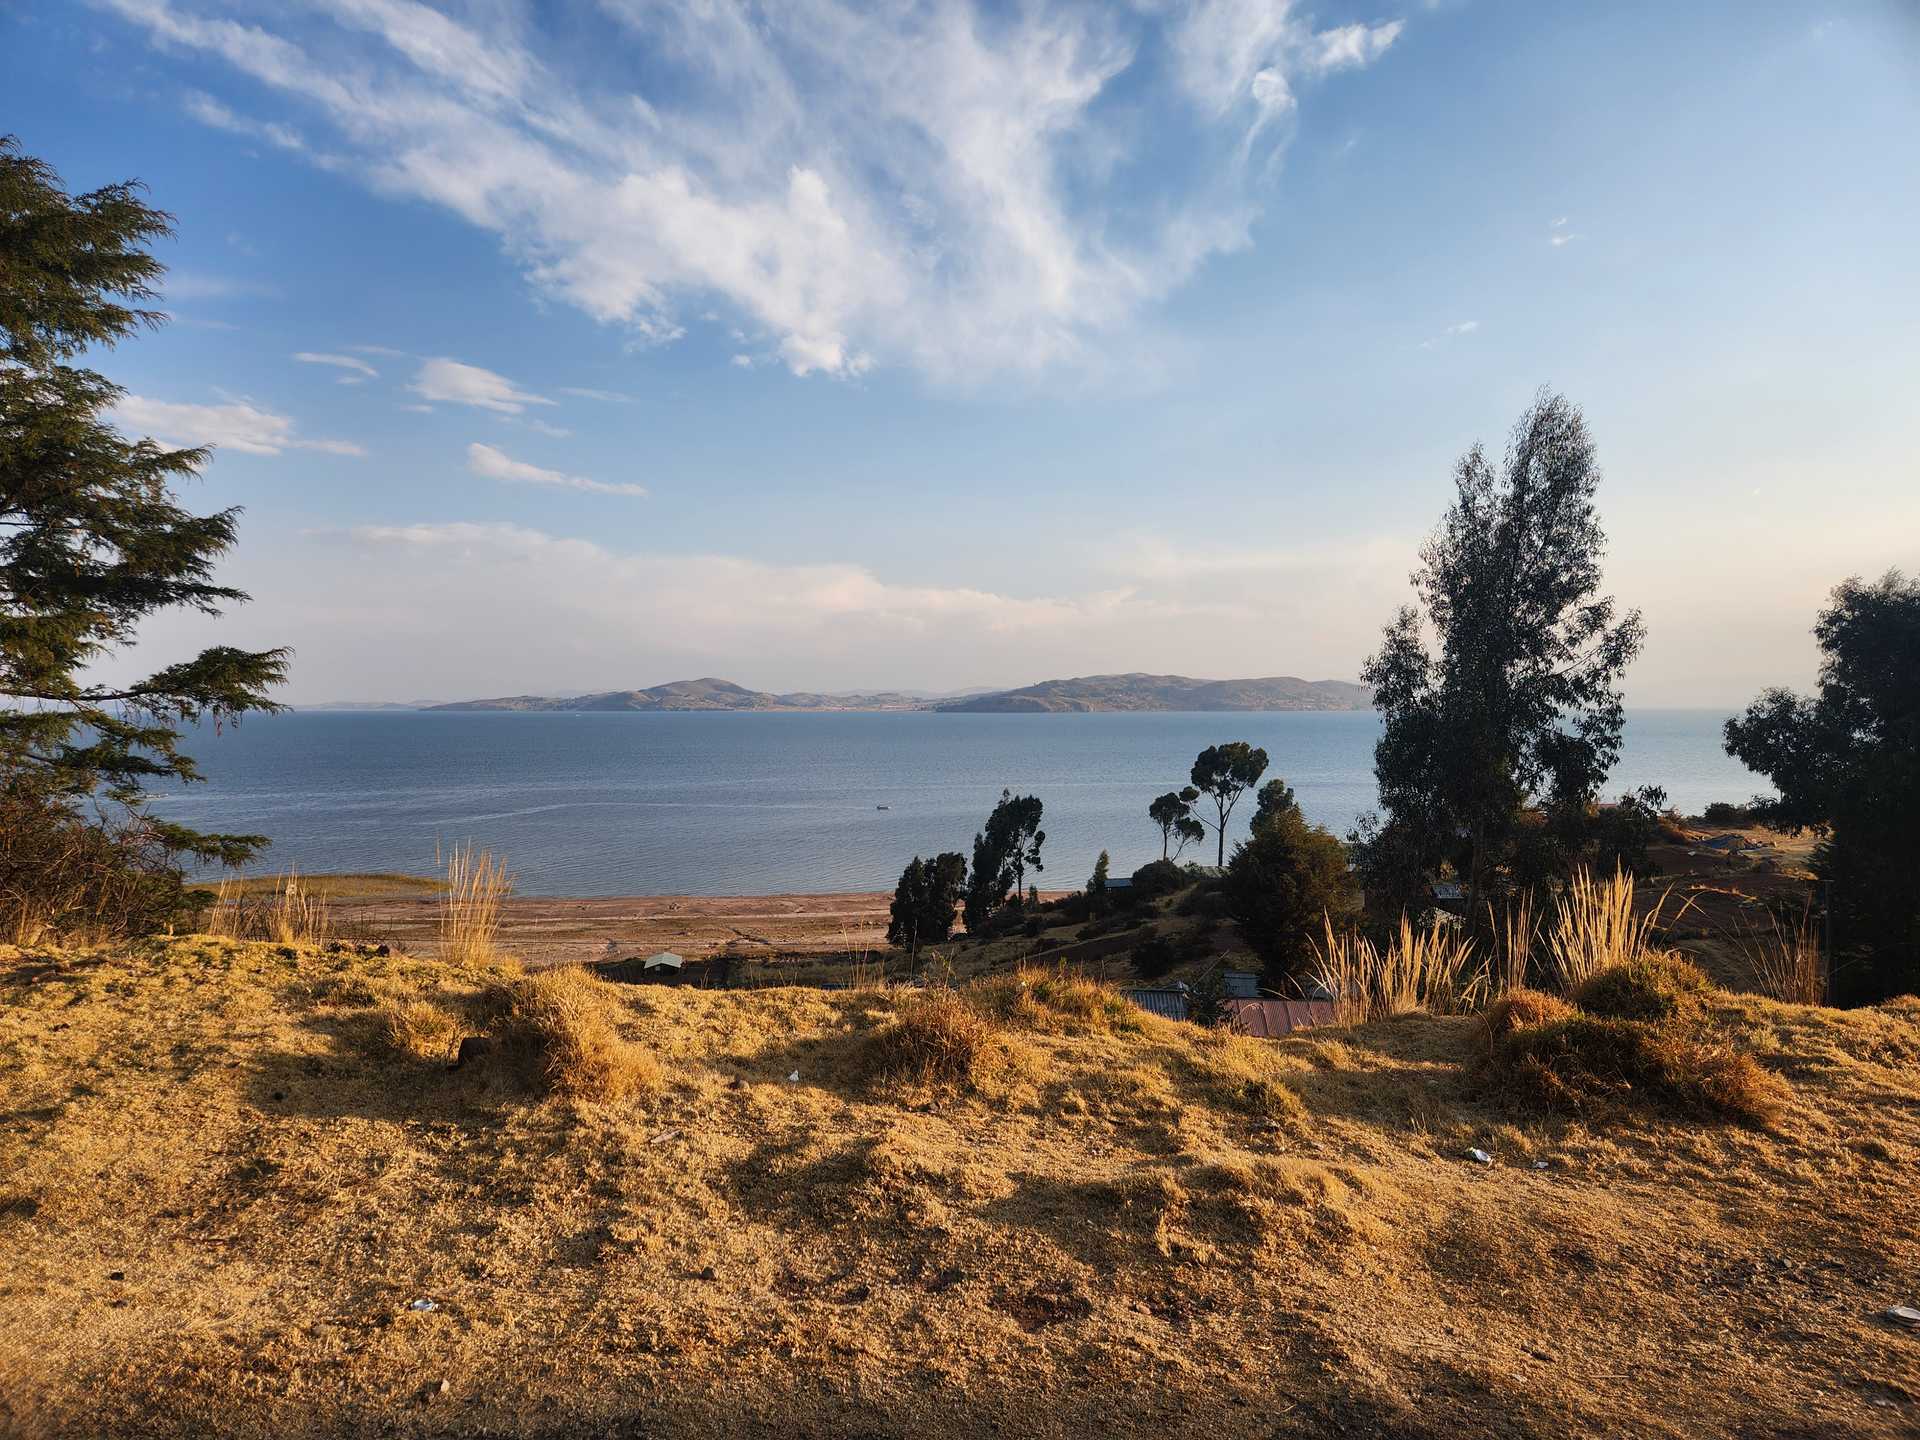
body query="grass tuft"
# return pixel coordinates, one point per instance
(1595, 928)
(419, 1030)
(1590, 1066)
(1055, 1001)
(1653, 986)
(562, 1023)
(1517, 1010)
(1430, 970)
(470, 909)
(941, 1039)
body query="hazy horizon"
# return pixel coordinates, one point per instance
(954, 346)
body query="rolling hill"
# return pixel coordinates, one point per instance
(1169, 692)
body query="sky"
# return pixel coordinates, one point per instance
(822, 345)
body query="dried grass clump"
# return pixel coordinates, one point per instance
(1430, 970)
(1786, 959)
(942, 1039)
(1052, 1001)
(561, 1023)
(1236, 1072)
(477, 884)
(1654, 986)
(1518, 1010)
(1595, 928)
(419, 1030)
(1590, 1066)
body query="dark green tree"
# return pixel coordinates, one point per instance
(925, 900)
(92, 539)
(1846, 763)
(1275, 798)
(1287, 879)
(1223, 773)
(1002, 853)
(1097, 885)
(1501, 689)
(1173, 813)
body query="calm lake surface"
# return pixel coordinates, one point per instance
(742, 804)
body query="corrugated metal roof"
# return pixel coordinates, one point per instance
(1270, 1019)
(1169, 1003)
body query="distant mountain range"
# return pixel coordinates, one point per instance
(1168, 692)
(1090, 692)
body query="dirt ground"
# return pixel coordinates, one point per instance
(229, 1209)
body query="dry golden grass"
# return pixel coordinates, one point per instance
(419, 1030)
(1785, 958)
(1595, 928)
(229, 1209)
(941, 1039)
(1595, 1067)
(477, 884)
(563, 1024)
(284, 909)
(1655, 985)
(1431, 970)
(1518, 1009)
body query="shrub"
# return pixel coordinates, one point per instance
(1157, 878)
(1154, 957)
(561, 1023)
(60, 876)
(942, 1038)
(1287, 882)
(1519, 1010)
(1651, 987)
(1721, 813)
(1588, 1066)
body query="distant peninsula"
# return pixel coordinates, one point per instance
(1087, 693)
(1167, 692)
(704, 694)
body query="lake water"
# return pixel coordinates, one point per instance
(722, 804)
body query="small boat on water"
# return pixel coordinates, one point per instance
(883, 807)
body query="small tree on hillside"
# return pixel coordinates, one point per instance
(1223, 773)
(92, 541)
(1502, 689)
(1173, 813)
(1847, 765)
(1287, 879)
(925, 900)
(1097, 885)
(1002, 853)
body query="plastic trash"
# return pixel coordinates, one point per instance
(794, 1078)
(1543, 1164)
(423, 1304)
(1479, 1157)
(1905, 1315)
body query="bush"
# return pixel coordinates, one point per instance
(1055, 1000)
(1287, 882)
(1154, 957)
(940, 1039)
(1518, 1010)
(419, 1030)
(1721, 813)
(1157, 878)
(1588, 1066)
(1651, 987)
(60, 876)
(560, 1022)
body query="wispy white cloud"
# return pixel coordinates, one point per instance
(358, 369)
(236, 425)
(942, 184)
(493, 464)
(209, 111)
(609, 397)
(1452, 332)
(455, 383)
(190, 285)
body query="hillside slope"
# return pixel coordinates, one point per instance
(704, 694)
(1169, 692)
(231, 1208)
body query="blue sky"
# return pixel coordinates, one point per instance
(945, 344)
